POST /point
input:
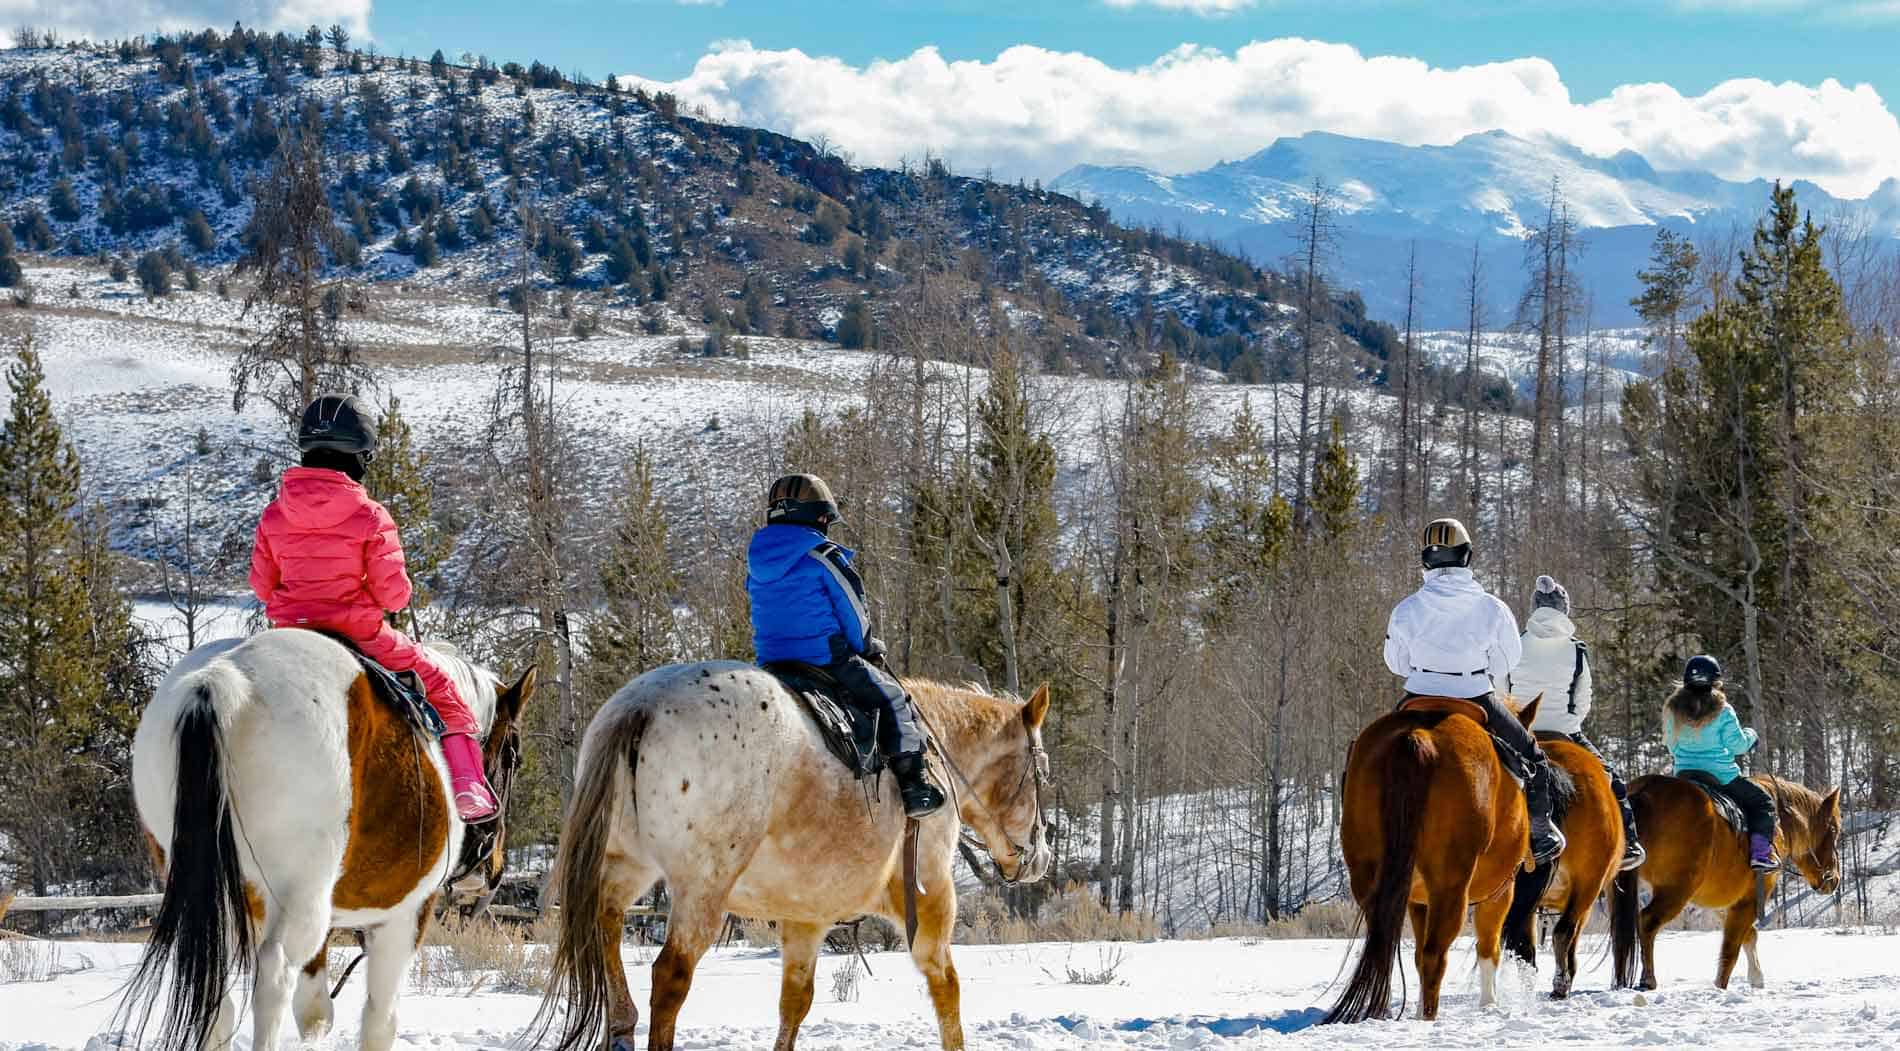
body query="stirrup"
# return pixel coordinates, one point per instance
(1633, 856)
(1553, 849)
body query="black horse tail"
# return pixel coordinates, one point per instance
(202, 936)
(1623, 915)
(1408, 776)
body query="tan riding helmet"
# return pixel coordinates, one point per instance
(801, 499)
(1447, 544)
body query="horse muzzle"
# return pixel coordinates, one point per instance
(1031, 868)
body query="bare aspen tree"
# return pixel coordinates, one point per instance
(1316, 240)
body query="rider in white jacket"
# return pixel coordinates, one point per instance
(1451, 638)
(1557, 664)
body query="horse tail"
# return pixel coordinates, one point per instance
(1624, 907)
(578, 972)
(1520, 923)
(1408, 776)
(202, 935)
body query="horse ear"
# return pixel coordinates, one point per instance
(508, 704)
(1832, 804)
(1528, 714)
(1038, 708)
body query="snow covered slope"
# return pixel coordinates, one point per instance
(1486, 189)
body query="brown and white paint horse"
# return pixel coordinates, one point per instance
(281, 799)
(713, 777)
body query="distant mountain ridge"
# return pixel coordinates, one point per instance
(1486, 188)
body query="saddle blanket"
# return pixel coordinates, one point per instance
(402, 691)
(1725, 808)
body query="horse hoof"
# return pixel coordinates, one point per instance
(1560, 994)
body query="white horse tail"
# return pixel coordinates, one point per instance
(202, 934)
(579, 974)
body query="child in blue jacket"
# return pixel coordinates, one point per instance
(1703, 733)
(808, 606)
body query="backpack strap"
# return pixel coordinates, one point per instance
(1576, 673)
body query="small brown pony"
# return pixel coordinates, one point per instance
(1593, 831)
(1428, 776)
(1695, 856)
(713, 777)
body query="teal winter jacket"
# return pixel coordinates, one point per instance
(1710, 746)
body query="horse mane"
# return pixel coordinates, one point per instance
(967, 711)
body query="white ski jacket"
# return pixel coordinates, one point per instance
(1557, 664)
(1451, 638)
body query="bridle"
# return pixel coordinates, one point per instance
(1035, 775)
(478, 841)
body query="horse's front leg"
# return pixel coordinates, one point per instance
(798, 949)
(388, 951)
(936, 922)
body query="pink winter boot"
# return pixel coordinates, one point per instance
(474, 800)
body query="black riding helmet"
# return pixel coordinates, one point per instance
(1702, 670)
(801, 499)
(340, 423)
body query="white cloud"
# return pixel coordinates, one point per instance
(112, 19)
(1034, 112)
(1204, 8)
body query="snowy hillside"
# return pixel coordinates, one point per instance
(1488, 189)
(1825, 988)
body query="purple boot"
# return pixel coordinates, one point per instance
(1761, 853)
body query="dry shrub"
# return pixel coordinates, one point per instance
(844, 980)
(32, 960)
(1071, 915)
(479, 955)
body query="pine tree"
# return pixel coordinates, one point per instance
(399, 478)
(57, 637)
(635, 630)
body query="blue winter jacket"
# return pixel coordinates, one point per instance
(804, 595)
(1709, 746)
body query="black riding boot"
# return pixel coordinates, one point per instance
(1633, 853)
(1547, 840)
(921, 798)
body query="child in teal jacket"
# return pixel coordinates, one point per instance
(1704, 734)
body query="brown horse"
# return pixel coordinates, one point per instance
(1696, 857)
(1593, 830)
(1425, 776)
(713, 777)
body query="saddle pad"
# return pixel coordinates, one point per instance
(1725, 808)
(1446, 706)
(402, 691)
(850, 732)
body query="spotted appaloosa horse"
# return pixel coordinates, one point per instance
(281, 799)
(714, 778)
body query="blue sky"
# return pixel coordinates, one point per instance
(1596, 46)
(1741, 88)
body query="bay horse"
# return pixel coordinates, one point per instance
(282, 798)
(1696, 857)
(713, 777)
(1592, 824)
(1428, 776)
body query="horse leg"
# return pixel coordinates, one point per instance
(936, 918)
(294, 930)
(1444, 917)
(691, 928)
(1755, 980)
(1664, 904)
(388, 950)
(626, 883)
(798, 950)
(311, 1002)
(1488, 922)
(1737, 926)
(1564, 944)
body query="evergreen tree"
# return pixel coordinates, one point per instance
(634, 630)
(399, 478)
(62, 626)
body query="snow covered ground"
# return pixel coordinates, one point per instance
(1824, 989)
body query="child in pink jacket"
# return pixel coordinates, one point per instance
(328, 558)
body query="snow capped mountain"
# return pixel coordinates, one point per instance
(1487, 189)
